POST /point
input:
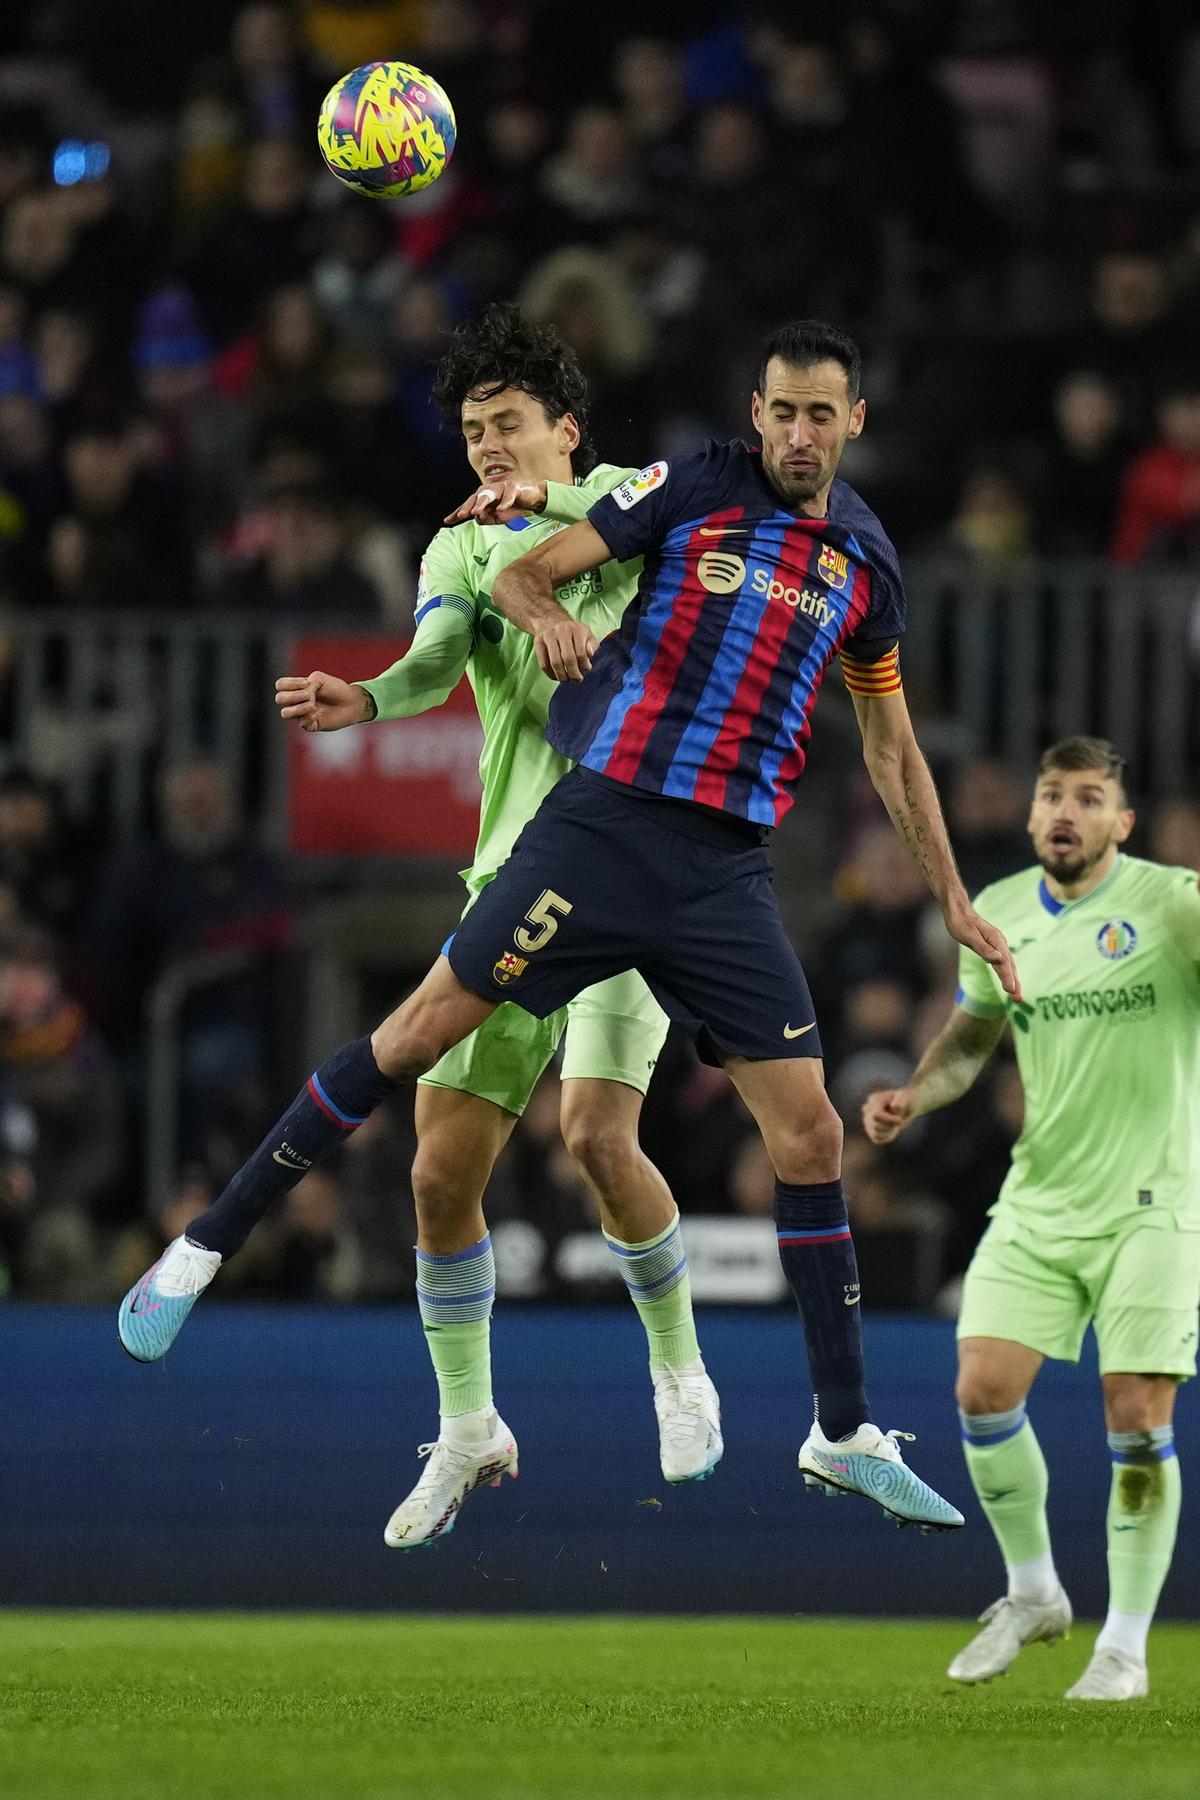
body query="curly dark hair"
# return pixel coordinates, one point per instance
(501, 350)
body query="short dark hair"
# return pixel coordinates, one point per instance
(1076, 753)
(502, 350)
(808, 341)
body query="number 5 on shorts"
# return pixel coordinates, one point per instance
(541, 914)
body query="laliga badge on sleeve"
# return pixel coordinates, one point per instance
(639, 485)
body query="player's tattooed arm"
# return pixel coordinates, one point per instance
(945, 1072)
(524, 593)
(903, 782)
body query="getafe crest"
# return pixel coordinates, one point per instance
(833, 566)
(1116, 940)
(509, 966)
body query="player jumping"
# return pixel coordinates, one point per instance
(691, 733)
(517, 394)
(1098, 1221)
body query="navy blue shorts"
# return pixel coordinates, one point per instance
(602, 880)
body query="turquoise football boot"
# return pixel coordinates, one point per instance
(153, 1311)
(870, 1464)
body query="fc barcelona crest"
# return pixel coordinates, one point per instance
(833, 566)
(509, 967)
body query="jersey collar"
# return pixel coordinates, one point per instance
(1054, 907)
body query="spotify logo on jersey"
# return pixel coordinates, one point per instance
(720, 572)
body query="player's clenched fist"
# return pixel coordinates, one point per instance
(884, 1115)
(320, 702)
(564, 650)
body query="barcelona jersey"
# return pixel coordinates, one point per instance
(705, 692)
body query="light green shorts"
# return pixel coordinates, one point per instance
(615, 1031)
(1139, 1287)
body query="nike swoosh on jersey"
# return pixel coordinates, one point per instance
(851, 1299)
(724, 531)
(799, 1030)
(481, 560)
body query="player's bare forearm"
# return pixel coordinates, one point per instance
(954, 1060)
(524, 593)
(945, 1072)
(903, 782)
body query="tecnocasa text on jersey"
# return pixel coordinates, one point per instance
(1097, 1003)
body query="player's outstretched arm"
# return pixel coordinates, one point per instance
(420, 681)
(903, 782)
(524, 593)
(944, 1073)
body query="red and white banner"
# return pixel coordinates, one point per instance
(399, 787)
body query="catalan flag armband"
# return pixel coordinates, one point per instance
(870, 678)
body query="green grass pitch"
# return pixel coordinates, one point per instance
(105, 1706)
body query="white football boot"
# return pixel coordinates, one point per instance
(869, 1463)
(690, 1444)
(1008, 1625)
(1111, 1675)
(454, 1470)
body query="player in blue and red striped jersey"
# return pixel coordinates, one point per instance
(689, 727)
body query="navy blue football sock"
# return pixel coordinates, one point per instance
(817, 1253)
(331, 1104)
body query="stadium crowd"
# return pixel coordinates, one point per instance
(215, 372)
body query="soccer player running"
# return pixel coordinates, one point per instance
(516, 392)
(1098, 1221)
(690, 730)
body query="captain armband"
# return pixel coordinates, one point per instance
(872, 678)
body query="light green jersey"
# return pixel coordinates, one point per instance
(459, 630)
(1108, 1047)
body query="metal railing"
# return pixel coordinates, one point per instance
(1002, 663)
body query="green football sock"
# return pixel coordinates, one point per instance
(1143, 1516)
(656, 1275)
(1008, 1471)
(455, 1295)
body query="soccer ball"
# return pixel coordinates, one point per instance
(386, 130)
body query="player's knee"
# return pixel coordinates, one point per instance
(808, 1149)
(603, 1148)
(1138, 1407)
(405, 1045)
(980, 1391)
(438, 1195)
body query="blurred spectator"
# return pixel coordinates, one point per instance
(305, 566)
(264, 242)
(873, 952)
(993, 523)
(31, 493)
(271, 84)
(1131, 334)
(1087, 457)
(193, 440)
(117, 543)
(54, 1063)
(198, 889)
(1158, 518)
(585, 295)
(18, 1188)
(986, 807)
(36, 242)
(279, 370)
(590, 182)
(359, 277)
(648, 79)
(1174, 834)
(46, 863)
(70, 380)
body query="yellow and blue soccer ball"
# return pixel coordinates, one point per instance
(386, 130)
